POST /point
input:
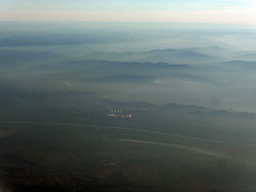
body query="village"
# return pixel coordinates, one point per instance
(119, 113)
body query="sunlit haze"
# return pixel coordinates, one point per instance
(221, 12)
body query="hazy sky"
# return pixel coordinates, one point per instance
(239, 12)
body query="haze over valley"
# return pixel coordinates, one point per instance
(90, 106)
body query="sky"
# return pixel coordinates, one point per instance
(237, 12)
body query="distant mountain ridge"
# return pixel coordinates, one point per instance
(171, 56)
(241, 63)
(15, 58)
(199, 111)
(123, 78)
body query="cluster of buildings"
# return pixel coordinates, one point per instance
(119, 113)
